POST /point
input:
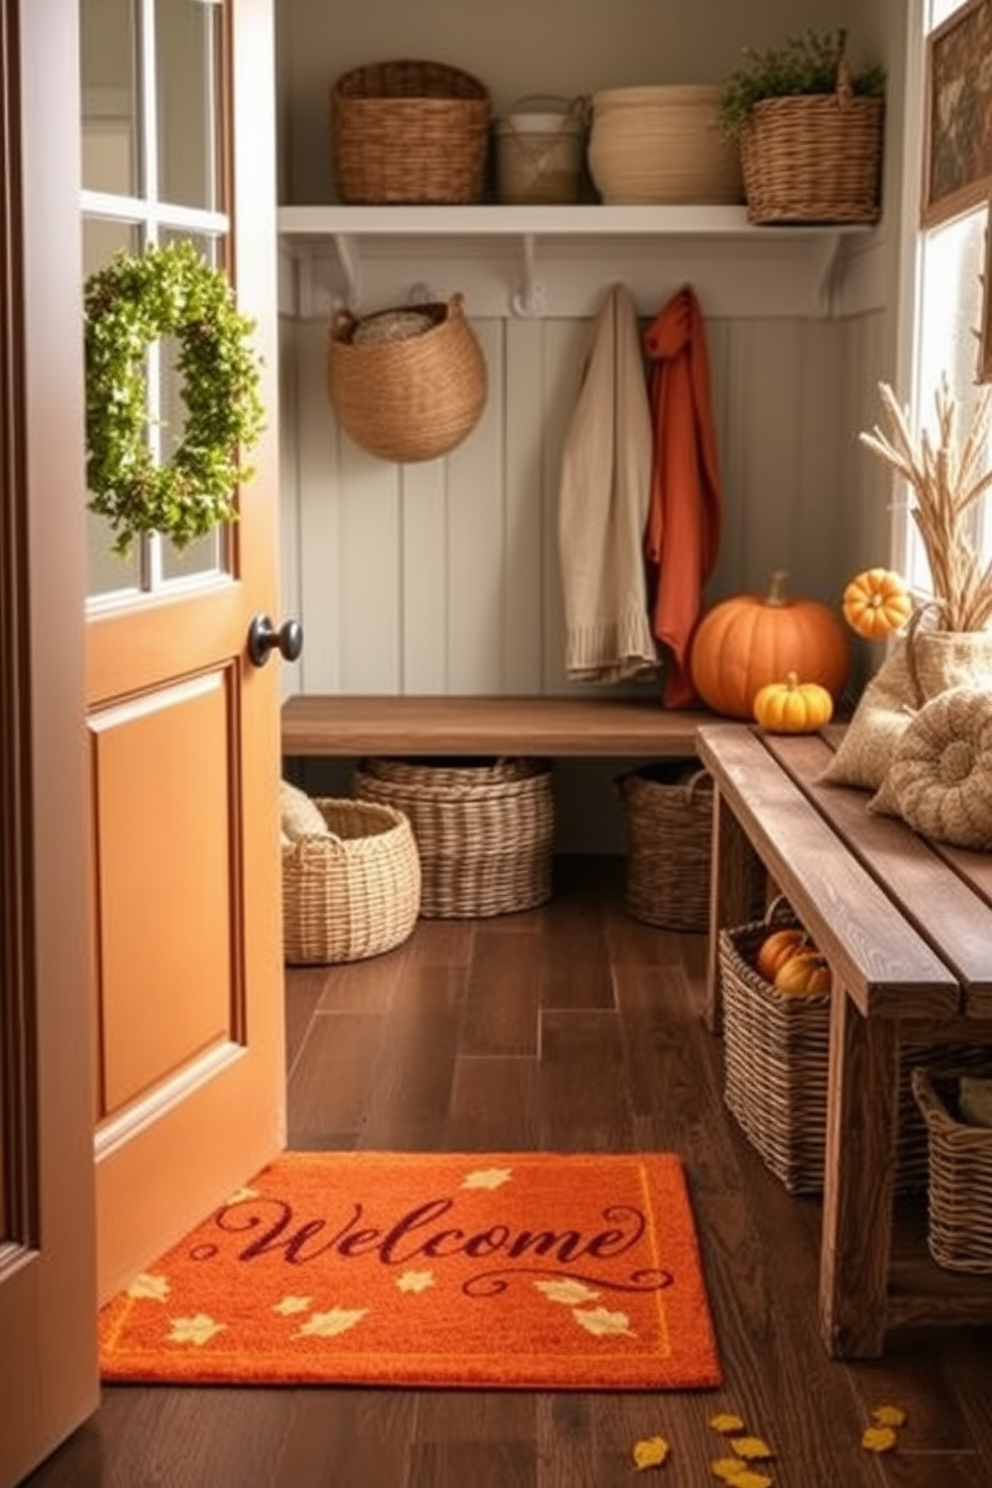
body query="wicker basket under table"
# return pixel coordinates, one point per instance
(484, 829)
(668, 825)
(959, 1231)
(353, 893)
(776, 1063)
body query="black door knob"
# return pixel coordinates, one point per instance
(263, 638)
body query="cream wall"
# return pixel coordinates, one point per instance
(444, 577)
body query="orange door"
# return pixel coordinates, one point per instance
(47, 1296)
(182, 725)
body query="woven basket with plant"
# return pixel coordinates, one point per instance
(810, 131)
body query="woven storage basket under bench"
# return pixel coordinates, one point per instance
(668, 825)
(776, 1055)
(352, 890)
(484, 829)
(959, 1232)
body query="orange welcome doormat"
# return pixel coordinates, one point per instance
(513, 1270)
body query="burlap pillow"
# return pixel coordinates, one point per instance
(301, 817)
(940, 777)
(920, 666)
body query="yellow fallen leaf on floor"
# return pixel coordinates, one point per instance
(888, 1415)
(752, 1448)
(749, 1479)
(651, 1452)
(728, 1468)
(878, 1439)
(725, 1423)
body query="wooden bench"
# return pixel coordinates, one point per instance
(589, 726)
(907, 929)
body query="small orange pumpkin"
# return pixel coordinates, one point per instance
(749, 640)
(877, 602)
(804, 975)
(778, 947)
(793, 707)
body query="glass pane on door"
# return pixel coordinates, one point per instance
(108, 77)
(187, 37)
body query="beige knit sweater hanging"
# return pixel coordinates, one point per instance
(602, 507)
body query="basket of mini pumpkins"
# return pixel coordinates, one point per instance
(776, 990)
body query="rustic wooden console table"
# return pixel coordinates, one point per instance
(907, 929)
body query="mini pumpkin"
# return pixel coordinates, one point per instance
(793, 707)
(804, 975)
(749, 640)
(876, 603)
(777, 948)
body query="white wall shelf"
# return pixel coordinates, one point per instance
(513, 260)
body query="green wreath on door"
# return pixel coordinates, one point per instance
(139, 298)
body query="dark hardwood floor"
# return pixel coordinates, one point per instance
(569, 1027)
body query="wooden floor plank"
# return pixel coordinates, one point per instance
(384, 1053)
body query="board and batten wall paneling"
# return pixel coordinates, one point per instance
(443, 577)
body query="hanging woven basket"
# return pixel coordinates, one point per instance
(407, 384)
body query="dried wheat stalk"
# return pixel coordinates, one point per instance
(946, 487)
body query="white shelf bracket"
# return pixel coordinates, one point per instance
(313, 287)
(826, 253)
(351, 267)
(529, 298)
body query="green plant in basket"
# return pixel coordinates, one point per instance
(811, 63)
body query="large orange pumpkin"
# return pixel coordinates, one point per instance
(745, 642)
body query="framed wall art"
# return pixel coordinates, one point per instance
(958, 138)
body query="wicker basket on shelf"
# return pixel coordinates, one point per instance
(668, 825)
(484, 829)
(408, 132)
(959, 1232)
(407, 384)
(776, 1067)
(815, 157)
(353, 891)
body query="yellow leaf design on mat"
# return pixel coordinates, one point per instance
(149, 1288)
(878, 1439)
(888, 1415)
(651, 1452)
(415, 1281)
(198, 1329)
(487, 1178)
(601, 1322)
(572, 1293)
(289, 1305)
(752, 1448)
(329, 1324)
(240, 1194)
(724, 1423)
(728, 1468)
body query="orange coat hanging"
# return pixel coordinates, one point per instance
(682, 533)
